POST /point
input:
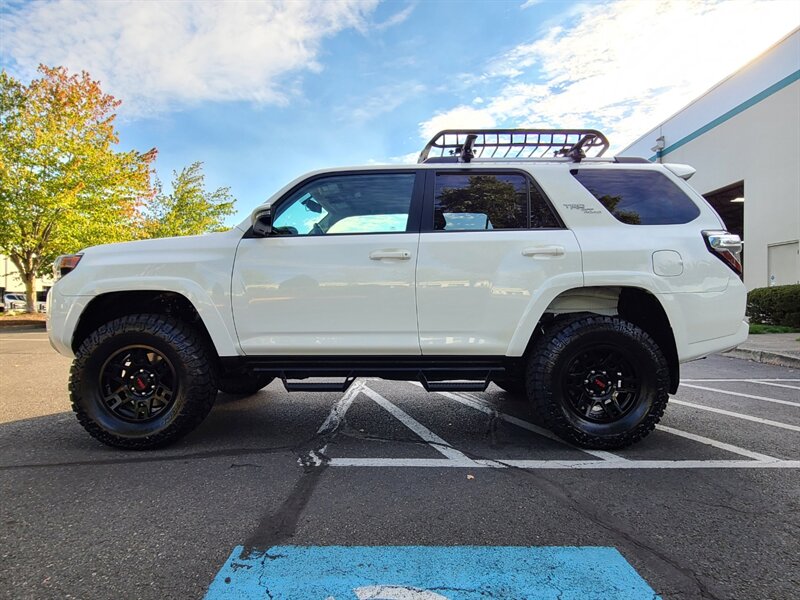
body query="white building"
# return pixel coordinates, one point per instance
(743, 137)
(10, 281)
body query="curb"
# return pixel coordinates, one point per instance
(762, 356)
(23, 323)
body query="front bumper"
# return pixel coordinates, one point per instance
(64, 312)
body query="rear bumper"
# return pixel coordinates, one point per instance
(707, 322)
(706, 347)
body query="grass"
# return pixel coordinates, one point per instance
(18, 317)
(756, 328)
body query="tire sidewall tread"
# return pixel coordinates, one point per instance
(544, 361)
(176, 339)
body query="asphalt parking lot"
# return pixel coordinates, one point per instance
(273, 486)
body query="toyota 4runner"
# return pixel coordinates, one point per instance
(519, 257)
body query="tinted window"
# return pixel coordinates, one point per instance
(487, 201)
(638, 197)
(364, 203)
(541, 214)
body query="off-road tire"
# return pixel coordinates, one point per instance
(188, 355)
(568, 342)
(244, 384)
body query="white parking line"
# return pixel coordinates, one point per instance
(330, 425)
(485, 407)
(760, 380)
(717, 444)
(564, 464)
(456, 459)
(338, 411)
(736, 415)
(654, 464)
(433, 440)
(781, 385)
(740, 394)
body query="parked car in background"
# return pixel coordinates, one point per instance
(17, 301)
(13, 301)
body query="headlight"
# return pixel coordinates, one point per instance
(64, 264)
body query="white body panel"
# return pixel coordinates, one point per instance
(198, 267)
(326, 295)
(476, 289)
(705, 301)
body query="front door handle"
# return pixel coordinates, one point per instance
(396, 254)
(544, 251)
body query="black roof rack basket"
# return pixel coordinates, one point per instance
(462, 145)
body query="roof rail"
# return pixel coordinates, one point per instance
(462, 145)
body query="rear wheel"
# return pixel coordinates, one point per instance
(598, 382)
(244, 384)
(142, 381)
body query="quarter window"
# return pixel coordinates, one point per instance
(364, 203)
(488, 201)
(638, 197)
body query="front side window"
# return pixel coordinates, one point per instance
(638, 197)
(473, 202)
(362, 203)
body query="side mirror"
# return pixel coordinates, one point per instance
(262, 220)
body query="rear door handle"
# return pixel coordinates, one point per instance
(544, 251)
(396, 254)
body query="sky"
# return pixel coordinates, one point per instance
(262, 92)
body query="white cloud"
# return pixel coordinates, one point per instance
(385, 99)
(397, 18)
(404, 159)
(623, 65)
(461, 117)
(155, 55)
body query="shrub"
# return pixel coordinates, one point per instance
(779, 305)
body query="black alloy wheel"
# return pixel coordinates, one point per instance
(596, 381)
(142, 381)
(601, 384)
(138, 383)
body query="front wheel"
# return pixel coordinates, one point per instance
(142, 381)
(598, 382)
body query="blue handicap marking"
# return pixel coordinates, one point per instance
(428, 573)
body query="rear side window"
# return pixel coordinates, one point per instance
(488, 201)
(638, 197)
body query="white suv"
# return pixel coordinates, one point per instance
(503, 256)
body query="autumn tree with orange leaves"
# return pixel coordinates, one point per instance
(63, 183)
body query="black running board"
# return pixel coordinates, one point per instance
(310, 386)
(435, 373)
(430, 386)
(455, 386)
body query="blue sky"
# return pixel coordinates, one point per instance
(261, 92)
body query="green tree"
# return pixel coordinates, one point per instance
(63, 185)
(190, 209)
(505, 206)
(626, 216)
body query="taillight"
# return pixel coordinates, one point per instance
(64, 264)
(727, 247)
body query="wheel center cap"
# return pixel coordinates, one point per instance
(142, 383)
(598, 384)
